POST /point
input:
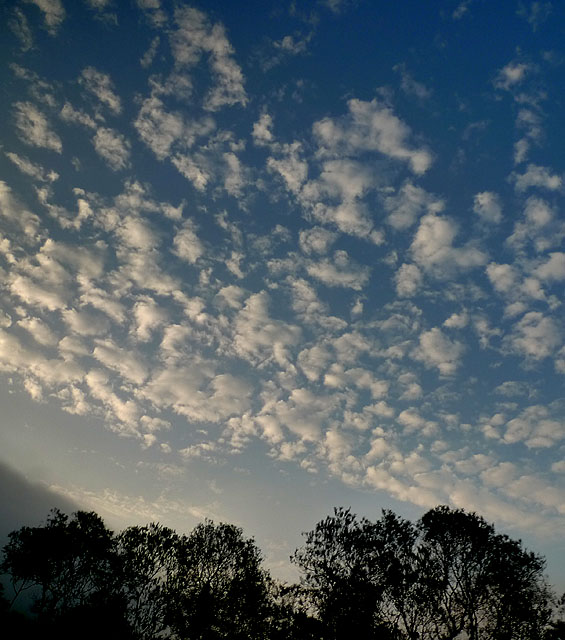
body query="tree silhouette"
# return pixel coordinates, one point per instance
(68, 561)
(146, 567)
(447, 576)
(220, 589)
(69, 564)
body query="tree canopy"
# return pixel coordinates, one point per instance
(448, 576)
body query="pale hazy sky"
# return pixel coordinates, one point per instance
(258, 259)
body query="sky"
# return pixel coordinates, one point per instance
(261, 259)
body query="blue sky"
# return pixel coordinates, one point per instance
(260, 259)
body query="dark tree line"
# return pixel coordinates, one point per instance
(447, 576)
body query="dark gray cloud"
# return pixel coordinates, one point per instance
(25, 503)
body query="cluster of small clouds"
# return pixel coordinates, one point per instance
(138, 314)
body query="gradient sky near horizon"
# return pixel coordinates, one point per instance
(260, 259)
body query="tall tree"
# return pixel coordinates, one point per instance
(480, 582)
(146, 567)
(341, 576)
(67, 561)
(220, 589)
(447, 576)
(69, 565)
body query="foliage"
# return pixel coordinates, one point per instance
(146, 560)
(220, 590)
(445, 577)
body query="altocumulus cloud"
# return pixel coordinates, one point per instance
(228, 253)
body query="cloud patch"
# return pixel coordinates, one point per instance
(34, 129)
(371, 126)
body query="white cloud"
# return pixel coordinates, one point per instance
(553, 268)
(126, 509)
(153, 12)
(101, 86)
(436, 350)
(461, 10)
(12, 210)
(432, 247)
(336, 197)
(258, 337)
(85, 323)
(76, 116)
(32, 364)
(538, 212)
(529, 121)
(511, 388)
(234, 174)
(123, 361)
(536, 14)
(122, 415)
(313, 361)
(540, 226)
(380, 478)
(457, 320)
(343, 179)
(350, 346)
(303, 413)
(339, 272)
(196, 36)
(340, 378)
(20, 27)
(53, 13)
(487, 206)
(316, 240)
(405, 207)
(413, 422)
(408, 280)
(187, 245)
(536, 336)
(370, 126)
(291, 167)
(161, 129)
(500, 475)
(233, 263)
(231, 296)
(504, 277)
(148, 317)
(137, 233)
(535, 427)
(104, 301)
(31, 169)
(536, 491)
(410, 86)
(84, 262)
(192, 171)
(307, 304)
(521, 148)
(41, 332)
(511, 75)
(536, 176)
(34, 129)
(262, 134)
(197, 393)
(158, 128)
(113, 147)
(39, 295)
(147, 59)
